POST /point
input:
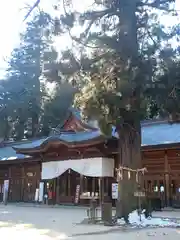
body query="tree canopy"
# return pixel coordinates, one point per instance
(124, 63)
(27, 108)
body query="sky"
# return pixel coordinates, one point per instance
(12, 13)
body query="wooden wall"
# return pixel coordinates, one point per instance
(162, 161)
(4, 174)
(173, 160)
(23, 180)
(61, 152)
(163, 170)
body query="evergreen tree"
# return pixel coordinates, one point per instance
(28, 109)
(122, 70)
(56, 108)
(23, 81)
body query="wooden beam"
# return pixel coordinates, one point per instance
(81, 184)
(23, 179)
(45, 146)
(19, 161)
(69, 183)
(161, 147)
(57, 190)
(166, 170)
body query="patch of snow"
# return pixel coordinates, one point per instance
(137, 220)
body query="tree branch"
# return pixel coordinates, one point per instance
(36, 4)
(158, 4)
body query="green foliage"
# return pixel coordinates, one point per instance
(168, 88)
(130, 70)
(124, 76)
(21, 95)
(129, 48)
(55, 109)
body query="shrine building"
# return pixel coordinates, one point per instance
(77, 162)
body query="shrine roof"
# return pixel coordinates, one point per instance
(159, 133)
(76, 113)
(31, 144)
(66, 138)
(8, 153)
(153, 133)
(73, 116)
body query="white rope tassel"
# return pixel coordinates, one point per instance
(137, 177)
(120, 175)
(137, 171)
(129, 175)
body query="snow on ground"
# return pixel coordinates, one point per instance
(140, 220)
(175, 214)
(33, 223)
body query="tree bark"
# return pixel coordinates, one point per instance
(129, 156)
(35, 121)
(129, 132)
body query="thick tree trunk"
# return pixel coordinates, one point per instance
(20, 130)
(35, 121)
(20, 127)
(129, 156)
(129, 132)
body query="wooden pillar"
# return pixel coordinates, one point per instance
(86, 184)
(81, 184)
(22, 182)
(101, 190)
(107, 185)
(93, 185)
(69, 183)
(9, 172)
(57, 190)
(10, 183)
(167, 184)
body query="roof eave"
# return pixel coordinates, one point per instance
(43, 148)
(164, 146)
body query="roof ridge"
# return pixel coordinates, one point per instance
(154, 122)
(23, 141)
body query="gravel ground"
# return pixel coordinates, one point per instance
(33, 223)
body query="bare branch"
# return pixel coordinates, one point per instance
(32, 8)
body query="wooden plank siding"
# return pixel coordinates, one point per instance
(163, 170)
(23, 181)
(163, 167)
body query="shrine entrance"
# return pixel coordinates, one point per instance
(165, 187)
(174, 190)
(156, 188)
(63, 178)
(1, 190)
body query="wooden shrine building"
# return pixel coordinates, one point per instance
(77, 162)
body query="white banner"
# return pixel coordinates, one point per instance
(41, 191)
(114, 190)
(36, 197)
(6, 185)
(91, 167)
(5, 190)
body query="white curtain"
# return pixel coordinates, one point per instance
(92, 167)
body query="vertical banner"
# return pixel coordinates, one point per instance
(77, 194)
(36, 198)
(114, 190)
(5, 191)
(41, 191)
(6, 185)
